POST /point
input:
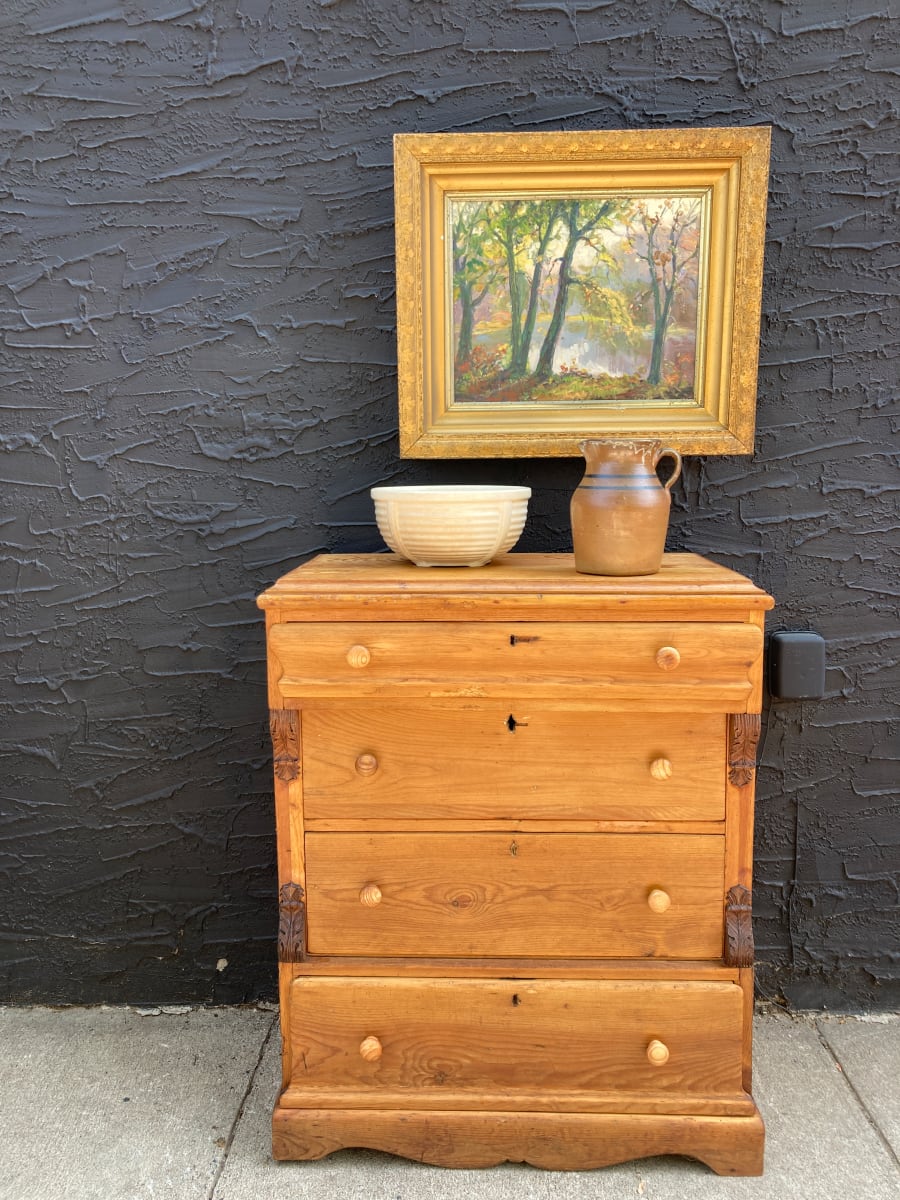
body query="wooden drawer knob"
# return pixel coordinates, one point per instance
(667, 658)
(370, 1049)
(661, 768)
(358, 656)
(367, 764)
(659, 901)
(657, 1053)
(371, 895)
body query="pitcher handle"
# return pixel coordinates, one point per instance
(670, 453)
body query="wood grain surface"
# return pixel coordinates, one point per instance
(510, 761)
(687, 576)
(530, 1044)
(515, 895)
(592, 660)
(514, 822)
(554, 1141)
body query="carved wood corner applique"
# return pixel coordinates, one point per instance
(738, 928)
(743, 738)
(291, 924)
(284, 726)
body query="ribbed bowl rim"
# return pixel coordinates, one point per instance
(453, 492)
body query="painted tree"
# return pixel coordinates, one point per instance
(526, 231)
(475, 268)
(665, 237)
(579, 219)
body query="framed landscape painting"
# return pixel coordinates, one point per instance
(553, 287)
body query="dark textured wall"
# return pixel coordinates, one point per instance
(198, 390)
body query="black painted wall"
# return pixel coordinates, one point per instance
(198, 390)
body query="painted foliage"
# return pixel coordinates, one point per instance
(575, 299)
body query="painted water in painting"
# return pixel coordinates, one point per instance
(575, 299)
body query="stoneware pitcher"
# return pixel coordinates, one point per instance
(620, 510)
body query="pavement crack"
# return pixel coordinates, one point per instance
(210, 1195)
(892, 1154)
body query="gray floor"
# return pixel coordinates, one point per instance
(173, 1104)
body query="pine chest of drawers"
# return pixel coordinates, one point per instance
(514, 812)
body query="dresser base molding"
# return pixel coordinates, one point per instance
(554, 1141)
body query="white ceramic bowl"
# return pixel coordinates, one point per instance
(452, 524)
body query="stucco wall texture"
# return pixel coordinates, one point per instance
(199, 388)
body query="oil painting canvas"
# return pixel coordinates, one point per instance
(575, 299)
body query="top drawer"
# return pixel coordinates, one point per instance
(709, 666)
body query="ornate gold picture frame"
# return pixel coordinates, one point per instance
(553, 287)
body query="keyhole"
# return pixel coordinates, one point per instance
(511, 723)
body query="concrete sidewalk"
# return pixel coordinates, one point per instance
(174, 1104)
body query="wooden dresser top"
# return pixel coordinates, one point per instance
(524, 580)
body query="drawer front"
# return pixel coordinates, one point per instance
(482, 1043)
(523, 895)
(518, 762)
(652, 663)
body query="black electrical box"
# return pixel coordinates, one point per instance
(797, 666)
